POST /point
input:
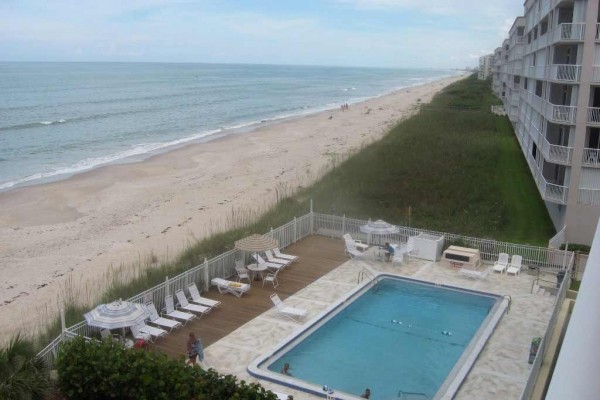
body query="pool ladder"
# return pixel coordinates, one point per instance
(365, 273)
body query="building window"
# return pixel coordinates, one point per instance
(535, 32)
(543, 27)
(520, 31)
(525, 83)
(538, 88)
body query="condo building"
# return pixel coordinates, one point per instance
(485, 66)
(547, 73)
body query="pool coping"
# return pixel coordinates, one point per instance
(450, 385)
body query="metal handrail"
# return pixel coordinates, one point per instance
(365, 272)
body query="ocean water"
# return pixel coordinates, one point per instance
(59, 119)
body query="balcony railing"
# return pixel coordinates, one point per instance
(593, 117)
(589, 196)
(555, 153)
(573, 31)
(560, 114)
(520, 39)
(537, 71)
(591, 157)
(563, 72)
(553, 192)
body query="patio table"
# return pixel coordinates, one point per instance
(257, 270)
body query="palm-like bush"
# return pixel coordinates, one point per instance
(22, 375)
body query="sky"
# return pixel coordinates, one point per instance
(370, 33)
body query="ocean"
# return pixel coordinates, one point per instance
(59, 119)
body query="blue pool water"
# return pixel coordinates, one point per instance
(397, 336)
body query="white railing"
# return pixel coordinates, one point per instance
(514, 99)
(555, 153)
(552, 192)
(596, 74)
(515, 55)
(593, 116)
(564, 72)
(520, 39)
(591, 157)
(558, 239)
(543, 347)
(537, 71)
(513, 115)
(560, 114)
(589, 196)
(572, 31)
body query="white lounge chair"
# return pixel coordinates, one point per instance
(155, 319)
(515, 265)
(272, 258)
(173, 313)
(235, 288)
(295, 314)
(352, 251)
(147, 332)
(474, 274)
(357, 243)
(502, 263)
(187, 306)
(269, 264)
(197, 298)
(279, 254)
(272, 277)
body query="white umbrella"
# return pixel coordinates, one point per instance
(119, 314)
(378, 227)
(256, 242)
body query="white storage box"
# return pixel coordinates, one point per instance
(429, 246)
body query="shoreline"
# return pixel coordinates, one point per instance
(66, 238)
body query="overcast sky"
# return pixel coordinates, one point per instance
(382, 33)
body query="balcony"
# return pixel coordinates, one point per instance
(556, 154)
(513, 116)
(561, 114)
(589, 196)
(593, 117)
(591, 157)
(552, 192)
(537, 71)
(563, 72)
(596, 74)
(514, 99)
(568, 32)
(521, 39)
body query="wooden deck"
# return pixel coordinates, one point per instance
(318, 256)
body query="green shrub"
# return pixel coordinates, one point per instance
(580, 248)
(105, 370)
(22, 375)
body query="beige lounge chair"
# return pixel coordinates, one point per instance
(474, 274)
(261, 261)
(235, 288)
(502, 263)
(357, 243)
(515, 265)
(187, 306)
(272, 258)
(279, 254)
(173, 313)
(198, 299)
(155, 319)
(147, 332)
(293, 313)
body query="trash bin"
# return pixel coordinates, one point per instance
(559, 278)
(535, 345)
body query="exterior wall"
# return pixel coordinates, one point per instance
(554, 54)
(485, 66)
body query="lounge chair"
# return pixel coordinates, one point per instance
(411, 249)
(187, 306)
(474, 274)
(235, 288)
(295, 314)
(198, 299)
(399, 252)
(502, 263)
(178, 315)
(279, 254)
(357, 243)
(146, 332)
(269, 264)
(352, 251)
(155, 319)
(272, 277)
(515, 265)
(272, 258)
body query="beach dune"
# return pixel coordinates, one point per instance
(60, 239)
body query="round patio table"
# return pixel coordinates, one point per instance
(257, 270)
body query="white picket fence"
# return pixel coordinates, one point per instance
(223, 265)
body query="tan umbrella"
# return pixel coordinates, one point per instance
(256, 242)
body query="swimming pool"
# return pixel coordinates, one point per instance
(395, 335)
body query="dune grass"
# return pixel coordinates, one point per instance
(457, 166)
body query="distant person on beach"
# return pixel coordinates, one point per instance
(195, 349)
(286, 369)
(389, 251)
(366, 394)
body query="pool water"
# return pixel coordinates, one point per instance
(398, 336)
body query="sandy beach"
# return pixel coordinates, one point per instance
(65, 237)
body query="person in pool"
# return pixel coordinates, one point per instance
(286, 369)
(366, 394)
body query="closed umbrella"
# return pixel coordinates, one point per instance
(378, 227)
(119, 314)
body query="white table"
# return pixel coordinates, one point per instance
(257, 270)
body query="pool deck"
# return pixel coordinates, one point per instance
(500, 372)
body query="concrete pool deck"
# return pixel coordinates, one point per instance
(500, 372)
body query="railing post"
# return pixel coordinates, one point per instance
(206, 278)
(63, 324)
(295, 230)
(312, 218)
(343, 224)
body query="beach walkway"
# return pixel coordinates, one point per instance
(318, 256)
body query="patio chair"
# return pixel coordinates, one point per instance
(239, 263)
(399, 253)
(235, 288)
(187, 306)
(411, 249)
(147, 332)
(515, 265)
(502, 263)
(295, 314)
(178, 315)
(106, 334)
(269, 264)
(197, 298)
(271, 277)
(272, 258)
(242, 273)
(357, 243)
(279, 254)
(155, 319)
